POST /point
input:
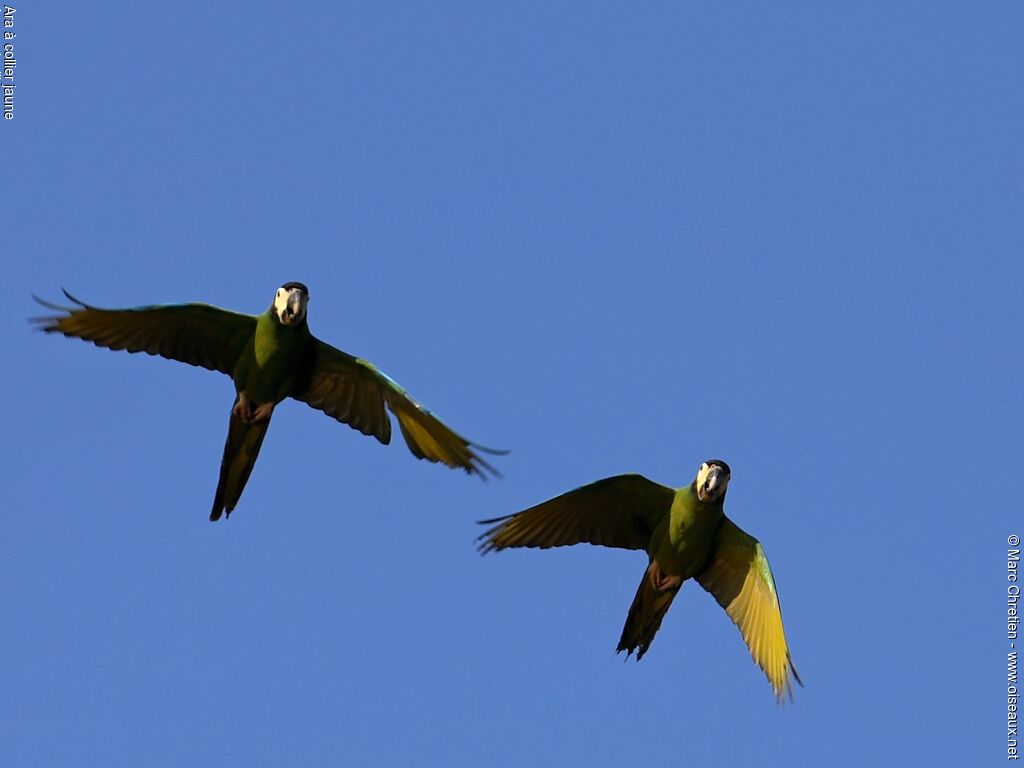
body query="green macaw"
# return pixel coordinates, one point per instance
(686, 535)
(270, 357)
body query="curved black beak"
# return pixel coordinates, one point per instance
(714, 481)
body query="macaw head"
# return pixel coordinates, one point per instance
(290, 304)
(712, 480)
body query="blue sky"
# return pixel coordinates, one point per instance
(607, 238)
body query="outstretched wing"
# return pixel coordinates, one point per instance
(620, 511)
(197, 334)
(355, 392)
(739, 577)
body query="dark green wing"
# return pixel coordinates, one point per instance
(739, 577)
(356, 393)
(620, 511)
(197, 334)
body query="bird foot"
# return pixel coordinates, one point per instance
(245, 411)
(661, 581)
(243, 408)
(262, 412)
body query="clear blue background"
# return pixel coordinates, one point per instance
(610, 238)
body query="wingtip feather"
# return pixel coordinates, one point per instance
(492, 451)
(71, 298)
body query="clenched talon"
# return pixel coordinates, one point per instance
(662, 582)
(241, 408)
(262, 412)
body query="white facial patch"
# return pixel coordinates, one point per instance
(719, 480)
(290, 305)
